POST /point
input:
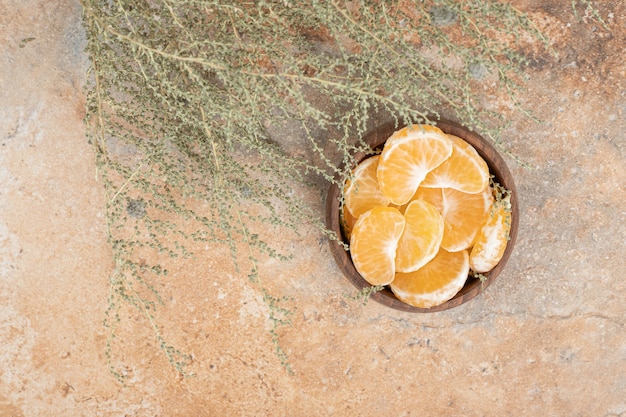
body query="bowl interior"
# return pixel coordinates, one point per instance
(376, 138)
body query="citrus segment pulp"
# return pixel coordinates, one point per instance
(362, 192)
(347, 222)
(407, 157)
(463, 215)
(492, 239)
(465, 170)
(421, 238)
(436, 282)
(432, 195)
(373, 244)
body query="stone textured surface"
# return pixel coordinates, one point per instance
(547, 338)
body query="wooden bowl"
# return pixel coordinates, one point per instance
(376, 138)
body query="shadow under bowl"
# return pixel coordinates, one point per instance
(473, 286)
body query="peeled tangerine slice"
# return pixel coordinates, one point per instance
(492, 239)
(436, 282)
(373, 244)
(363, 193)
(464, 171)
(433, 196)
(421, 238)
(463, 215)
(408, 155)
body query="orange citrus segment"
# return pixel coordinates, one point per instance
(463, 215)
(431, 195)
(373, 244)
(347, 222)
(434, 283)
(492, 239)
(421, 238)
(407, 157)
(363, 193)
(465, 170)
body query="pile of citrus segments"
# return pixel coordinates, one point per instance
(423, 214)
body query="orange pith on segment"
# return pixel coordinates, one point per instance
(363, 192)
(463, 215)
(373, 244)
(407, 157)
(430, 195)
(435, 283)
(465, 170)
(492, 239)
(421, 238)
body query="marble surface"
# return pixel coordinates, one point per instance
(547, 338)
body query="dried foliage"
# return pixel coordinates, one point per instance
(186, 97)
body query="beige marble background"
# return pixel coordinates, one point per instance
(548, 338)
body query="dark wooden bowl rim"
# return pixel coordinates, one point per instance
(376, 138)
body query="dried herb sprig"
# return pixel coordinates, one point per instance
(215, 116)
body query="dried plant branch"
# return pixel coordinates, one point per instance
(186, 99)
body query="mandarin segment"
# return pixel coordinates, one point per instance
(436, 282)
(433, 196)
(363, 192)
(407, 157)
(465, 170)
(347, 222)
(430, 195)
(373, 244)
(421, 238)
(492, 239)
(463, 215)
